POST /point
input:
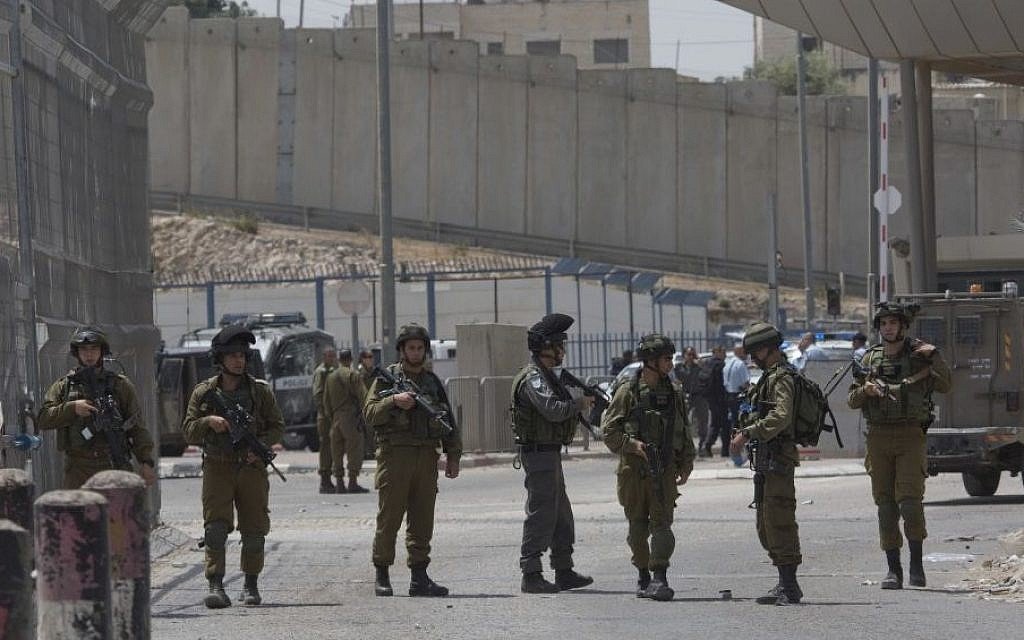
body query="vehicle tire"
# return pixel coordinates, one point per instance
(172, 450)
(981, 483)
(293, 441)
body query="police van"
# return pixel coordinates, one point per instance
(286, 353)
(978, 429)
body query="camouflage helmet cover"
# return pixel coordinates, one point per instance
(89, 335)
(549, 331)
(905, 312)
(761, 334)
(412, 331)
(654, 345)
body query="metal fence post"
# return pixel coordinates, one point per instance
(16, 585)
(72, 542)
(547, 290)
(16, 495)
(129, 551)
(431, 305)
(318, 286)
(211, 316)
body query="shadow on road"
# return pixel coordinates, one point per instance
(976, 502)
(479, 596)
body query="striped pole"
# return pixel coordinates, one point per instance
(16, 495)
(883, 185)
(129, 551)
(16, 582)
(73, 566)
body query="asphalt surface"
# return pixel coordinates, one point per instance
(318, 582)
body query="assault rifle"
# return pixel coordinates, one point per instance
(107, 419)
(761, 462)
(240, 424)
(601, 400)
(864, 373)
(403, 384)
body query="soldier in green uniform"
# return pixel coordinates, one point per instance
(407, 454)
(233, 479)
(544, 418)
(70, 407)
(894, 392)
(365, 368)
(772, 425)
(344, 395)
(646, 424)
(323, 425)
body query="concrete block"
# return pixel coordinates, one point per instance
(848, 186)
(314, 122)
(1000, 175)
(213, 142)
(410, 124)
(453, 132)
(602, 158)
(491, 349)
(167, 70)
(701, 162)
(355, 120)
(501, 146)
(259, 41)
(955, 179)
(751, 169)
(650, 148)
(551, 147)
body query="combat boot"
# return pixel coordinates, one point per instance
(353, 487)
(534, 582)
(341, 485)
(325, 483)
(566, 579)
(217, 599)
(643, 579)
(250, 592)
(422, 586)
(382, 585)
(916, 564)
(893, 579)
(659, 589)
(790, 593)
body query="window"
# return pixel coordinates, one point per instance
(932, 330)
(968, 329)
(495, 48)
(611, 51)
(544, 47)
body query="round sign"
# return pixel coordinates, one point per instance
(353, 297)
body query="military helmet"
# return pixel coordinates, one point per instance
(761, 334)
(653, 346)
(412, 331)
(234, 338)
(905, 312)
(548, 332)
(89, 335)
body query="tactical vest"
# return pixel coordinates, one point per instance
(653, 418)
(416, 422)
(71, 437)
(762, 398)
(528, 424)
(912, 403)
(220, 443)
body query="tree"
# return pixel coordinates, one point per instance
(822, 77)
(216, 8)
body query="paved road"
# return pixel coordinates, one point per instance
(318, 581)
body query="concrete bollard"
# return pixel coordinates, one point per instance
(129, 551)
(16, 582)
(16, 495)
(73, 566)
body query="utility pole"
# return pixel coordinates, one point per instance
(302, 12)
(421, 19)
(279, 9)
(873, 271)
(678, 43)
(805, 180)
(387, 260)
(912, 149)
(773, 276)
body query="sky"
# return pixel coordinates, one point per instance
(714, 39)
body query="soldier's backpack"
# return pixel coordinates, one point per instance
(813, 415)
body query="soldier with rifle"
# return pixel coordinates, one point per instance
(646, 424)
(544, 419)
(235, 419)
(769, 433)
(409, 412)
(96, 415)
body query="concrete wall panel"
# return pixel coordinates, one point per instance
(701, 129)
(410, 124)
(355, 121)
(551, 151)
(314, 121)
(602, 157)
(167, 60)
(1000, 175)
(453, 132)
(751, 145)
(651, 147)
(790, 216)
(955, 180)
(501, 154)
(848, 186)
(258, 47)
(213, 106)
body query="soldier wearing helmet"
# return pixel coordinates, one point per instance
(344, 394)
(407, 454)
(544, 419)
(772, 425)
(234, 480)
(646, 424)
(894, 391)
(70, 407)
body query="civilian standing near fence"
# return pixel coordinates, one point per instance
(736, 378)
(717, 403)
(688, 373)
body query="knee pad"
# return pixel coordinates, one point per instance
(216, 535)
(253, 543)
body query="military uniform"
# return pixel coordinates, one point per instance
(323, 424)
(656, 416)
(230, 483)
(406, 479)
(897, 457)
(343, 399)
(87, 452)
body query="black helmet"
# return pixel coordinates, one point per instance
(548, 332)
(761, 334)
(234, 338)
(89, 335)
(654, 345)
(905, 312)
(412, 331)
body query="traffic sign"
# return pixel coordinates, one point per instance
(888, 200)
(353, 297)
